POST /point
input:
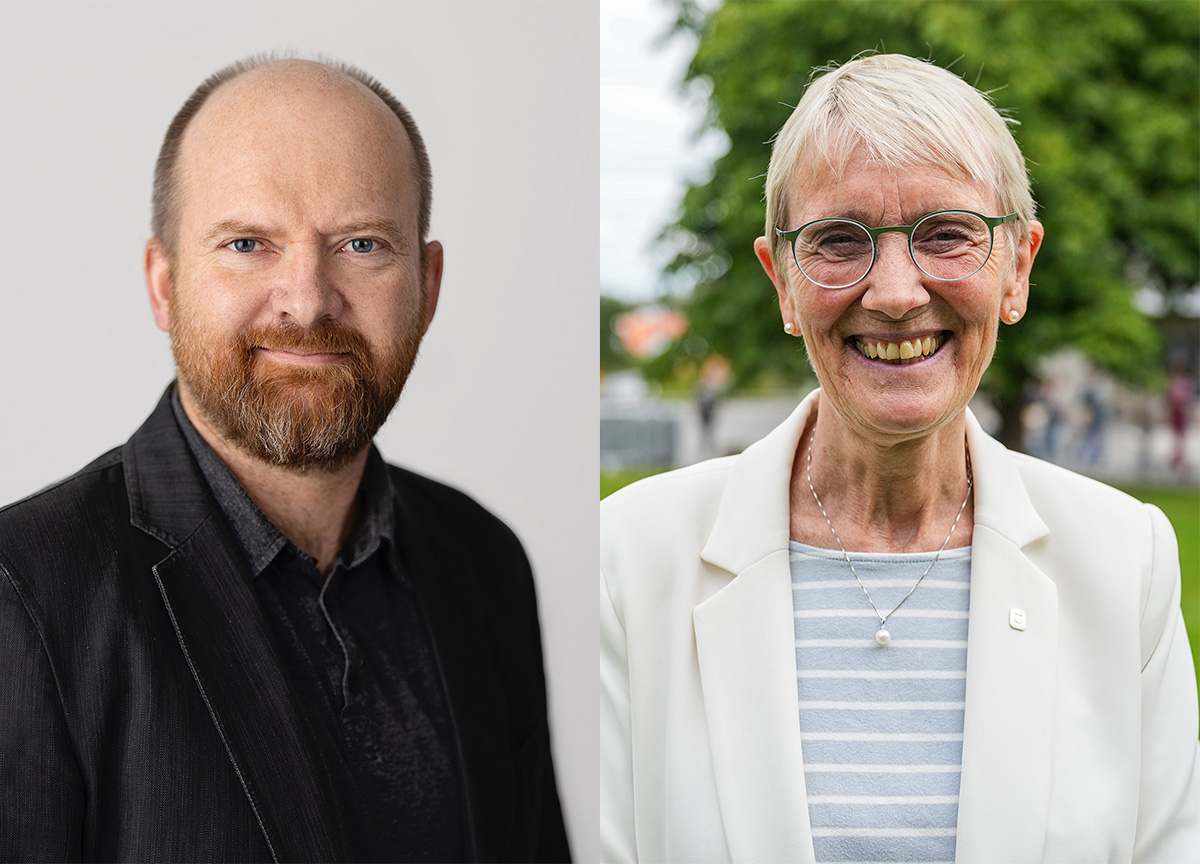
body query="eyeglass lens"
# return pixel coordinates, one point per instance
(836, 253)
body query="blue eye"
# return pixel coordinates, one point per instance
(362, 244)
(243, 244)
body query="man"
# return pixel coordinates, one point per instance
(242, 636)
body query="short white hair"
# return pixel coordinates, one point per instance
(905, 113)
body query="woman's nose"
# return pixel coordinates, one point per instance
(895, 285)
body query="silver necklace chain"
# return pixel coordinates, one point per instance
(883, 637)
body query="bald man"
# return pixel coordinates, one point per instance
(242, 636)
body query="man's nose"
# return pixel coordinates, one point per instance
(895, 285)
(305, 292)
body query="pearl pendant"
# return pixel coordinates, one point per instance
(883, 637)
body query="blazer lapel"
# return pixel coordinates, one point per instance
(1011, 660)
(206, 588)
(745, 642)
(216, 616)
(746, 646)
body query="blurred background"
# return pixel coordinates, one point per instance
(1100, 376)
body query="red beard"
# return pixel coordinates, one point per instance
(290, 415)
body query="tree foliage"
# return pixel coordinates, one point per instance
(613, 355)
(1106, 97)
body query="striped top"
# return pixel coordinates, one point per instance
(881, 727)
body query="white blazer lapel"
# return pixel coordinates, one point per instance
(746, 649)
(745, 638)
(1011, 661)
(745, 642)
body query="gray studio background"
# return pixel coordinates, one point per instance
(502, 401)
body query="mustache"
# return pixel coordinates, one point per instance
(327, 337)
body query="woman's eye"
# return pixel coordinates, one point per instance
(362, 245)
(242, 244)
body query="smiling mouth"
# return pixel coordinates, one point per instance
(900, 353)
(303, 356)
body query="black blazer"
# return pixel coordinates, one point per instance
(143, 709)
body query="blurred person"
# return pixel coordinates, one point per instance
(1097, 398)
(1055, 405)
(877, 634)
(1181, 391)
(713, 376)
(1144, 411)
(242, 636)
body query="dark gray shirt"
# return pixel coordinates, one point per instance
(356, 654)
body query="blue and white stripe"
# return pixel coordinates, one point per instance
(881, 727)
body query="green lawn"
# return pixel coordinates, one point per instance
(1181, 505)
(611, 481)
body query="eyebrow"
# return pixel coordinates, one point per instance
(388, 227)
(234, 226)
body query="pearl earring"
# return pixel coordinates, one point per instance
(789, 328)
(1014, 316)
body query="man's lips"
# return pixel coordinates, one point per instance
(302, 356)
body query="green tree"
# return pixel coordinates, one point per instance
(1106, 96)
(612, 353)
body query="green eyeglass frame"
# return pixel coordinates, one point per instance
(992, 222)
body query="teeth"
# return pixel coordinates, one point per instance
(907, 349)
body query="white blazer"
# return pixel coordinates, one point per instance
(1080, 736)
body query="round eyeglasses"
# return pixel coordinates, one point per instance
(947, 245)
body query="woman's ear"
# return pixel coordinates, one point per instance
(786, 307)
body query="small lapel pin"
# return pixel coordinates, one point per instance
(1016, 619)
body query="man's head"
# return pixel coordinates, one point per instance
(165, 200)
(289, 262)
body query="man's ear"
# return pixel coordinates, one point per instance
(431, 281)
(158, 282)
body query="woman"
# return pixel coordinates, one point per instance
(877, 634)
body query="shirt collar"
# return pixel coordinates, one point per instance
(260, 540)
